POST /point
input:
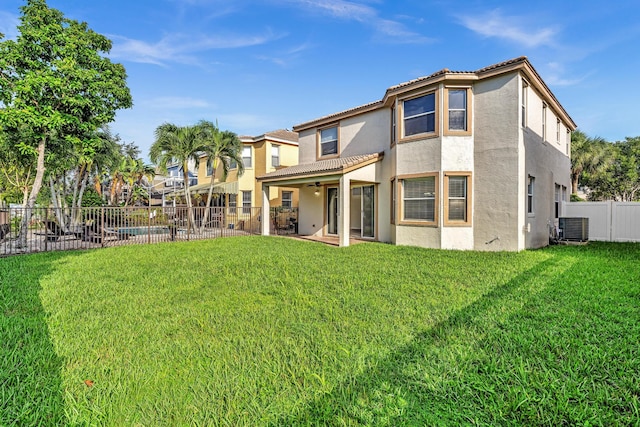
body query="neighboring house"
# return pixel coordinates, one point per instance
(167, 187)
(261, 154)
(456, 160)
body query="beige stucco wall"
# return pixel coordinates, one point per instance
(547, 162)
(499, 153)
(311, 212)
(498, 203)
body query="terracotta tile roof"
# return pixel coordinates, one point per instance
(341, 113)
(322, 167)
(436, 75)
(283, 134)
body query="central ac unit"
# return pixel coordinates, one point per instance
(574, 229)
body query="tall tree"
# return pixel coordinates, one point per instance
(56, 83)
(222, 148)
(588, 155)
(179, 144)
(620, 180)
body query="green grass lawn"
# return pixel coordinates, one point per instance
(272, 331)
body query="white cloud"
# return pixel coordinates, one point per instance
(393, 31)
(284, 59)
(9, 25)
(180, 48)
(555, 75)
(511, 28)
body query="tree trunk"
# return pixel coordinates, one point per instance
(77, 218)
(205, 217)
(187, 195)
(57, 207)
(31, 201)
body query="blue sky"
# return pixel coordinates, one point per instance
(256, 66)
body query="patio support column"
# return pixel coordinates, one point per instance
(344, 214)
(265, 216)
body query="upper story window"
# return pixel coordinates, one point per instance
(328, 141)
(246, 156)
(393, 125)
(457, 109)
(275, 155)
(523, 102)
(558, 131)
(209, 168)
(544, 122)
(420, 115)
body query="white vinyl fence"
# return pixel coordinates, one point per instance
(608, 221)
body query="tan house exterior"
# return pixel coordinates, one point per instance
(262, 154)
(455, 160)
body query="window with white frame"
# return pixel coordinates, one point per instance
(419, 199)
(393, 125)
(544, 122)
(329, 141)
(275, 155)
(419, 115)
(209, 168)
(392, 214)
(287, 199)
(457, 207)
(558, 131)
(246, 202)
(557, 197)
(530, 193)
(233, 201)
(523, 105)
(246, 156)
(457, 109)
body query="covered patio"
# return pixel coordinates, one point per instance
(338, 197)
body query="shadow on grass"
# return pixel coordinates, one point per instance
(30, 371)
(413, 384)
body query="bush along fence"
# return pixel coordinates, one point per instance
(84, 228)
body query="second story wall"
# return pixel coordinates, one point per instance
(365, 133)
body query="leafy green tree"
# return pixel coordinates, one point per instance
(588, 156)
(56, 85)
(16, 170)
(222, 148)
(620, 180)
(179, 144)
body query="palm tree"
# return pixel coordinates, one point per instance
(222, 148)
(178, 144)
(587, 155)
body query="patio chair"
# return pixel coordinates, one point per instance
(55, 232)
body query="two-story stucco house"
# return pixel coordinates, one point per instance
(261, 154)
(456, 160)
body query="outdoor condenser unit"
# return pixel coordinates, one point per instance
(574, 229)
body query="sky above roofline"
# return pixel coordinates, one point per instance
(257, 66)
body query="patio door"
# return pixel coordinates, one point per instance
(362, 221)
(367, 210)
(332, 210)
